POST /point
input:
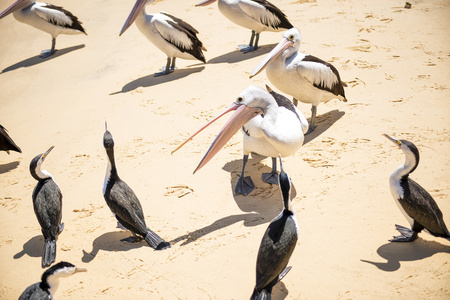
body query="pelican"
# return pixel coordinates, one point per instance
(47, 17)
(416, 204)
(171, 35)
(277, 244)
(305, 77)
(256, 15)
(6, 142)
(271, 125)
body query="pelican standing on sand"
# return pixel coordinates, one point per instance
(271, 125)
(277, 244)
(47, 203)
(46, 288)
(256, 15)
(171, 35)
(123, 201)
(416, 204)
(305, 77)
(47, 17)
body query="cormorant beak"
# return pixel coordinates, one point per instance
(285, 43)
(242, 115)
(396, 142)
(138, 6)
(78, 270)
(44, 156)
(19, 4)
(206, 2)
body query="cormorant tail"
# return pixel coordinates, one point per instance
(49, 253)
(261, 295)
(155, 241)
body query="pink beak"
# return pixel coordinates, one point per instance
(138, 6)
(242, 115)
(272, 55)
(19, 4)
(206, 2)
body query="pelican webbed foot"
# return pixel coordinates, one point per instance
(47, 53)
(407, 235)
(244, 186)
(271, 177)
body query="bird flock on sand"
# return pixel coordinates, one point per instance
(271, 125)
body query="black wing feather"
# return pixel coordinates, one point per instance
(337, 88)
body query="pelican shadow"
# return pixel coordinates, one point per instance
(29, 62)
(251, 219)
(9, 166)
(111, 241)
(33, 248)
(237, 56)
(151, 80)
(394, 253)
(265, 199)
(324, 122)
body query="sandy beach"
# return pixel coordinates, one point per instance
(396, 64)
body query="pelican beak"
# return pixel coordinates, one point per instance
(19, 4)
(78, 270)
(138, 6)
(396, 142)
(206, 2)
(272, 55)
(242, 115)
(44, 156)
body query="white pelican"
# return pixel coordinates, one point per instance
(47, 17)
(305, 77)
(171, 35)
(271, 125)
(257, 15)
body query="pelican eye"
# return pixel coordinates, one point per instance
(240, 99)
(291, 37)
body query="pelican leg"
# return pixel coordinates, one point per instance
(312, 124)
(172, 66)
(244, 185)
(250, 47)
(408, 235)
(271, 177)
(47, 53)
(166, 70)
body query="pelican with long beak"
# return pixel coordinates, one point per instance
(46, 17)
(305, 77)
(256, 15)
(271, 125)
(171, 35)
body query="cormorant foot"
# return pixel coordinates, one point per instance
(408, 235)
(244, 186)
(271, 178)
(247, 48)
(47, 53)
(132, 239)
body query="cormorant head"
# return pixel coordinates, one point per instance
(35, 165)
(50, 278)
(285, 186)
(410, 150)
(108, 141)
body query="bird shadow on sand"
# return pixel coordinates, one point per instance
(279, 291)
(151, 80)
(395, 253)
(238, 56)
(35, 60)
(111, 241)
(33, 248)
(323, 122)
(9, 166)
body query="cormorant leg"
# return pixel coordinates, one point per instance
(244, 185)
(271, 177)
(132, 239)
(165, 70)
(408, 235)
(250, 47)
(312, 124)
(47, 53)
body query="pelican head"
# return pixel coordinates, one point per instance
(137, 8)
(288, 46)
(251, 102)
(19, 4)
(206, 2)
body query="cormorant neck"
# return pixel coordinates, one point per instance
(39, 174)
(408, 167)
(52, 283)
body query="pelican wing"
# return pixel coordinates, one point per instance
(58, 16)
(264, 12)
(321, 74)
